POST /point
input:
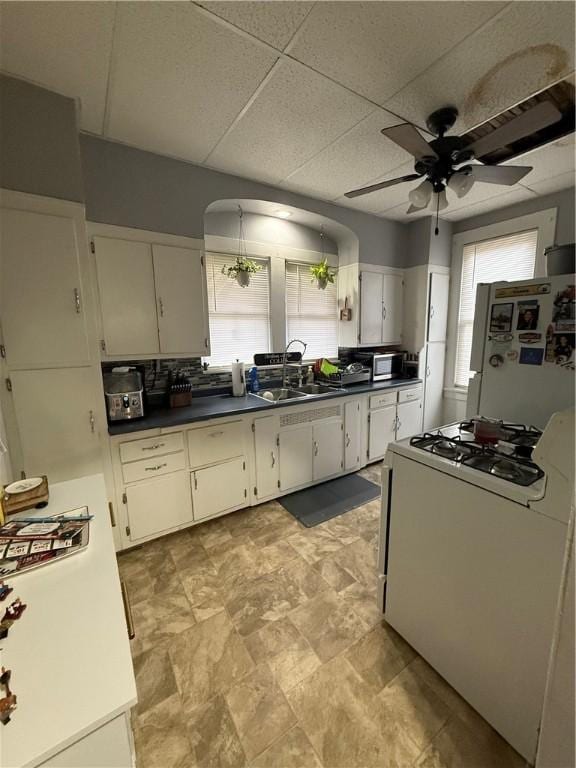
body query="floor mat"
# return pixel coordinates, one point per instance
(315, 505)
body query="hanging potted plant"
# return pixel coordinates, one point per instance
(322, 273)
(241, 270)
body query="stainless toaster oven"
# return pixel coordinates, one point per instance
(124, 395)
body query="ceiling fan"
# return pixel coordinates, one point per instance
(445, 161)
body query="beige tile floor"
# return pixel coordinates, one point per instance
(258, 643)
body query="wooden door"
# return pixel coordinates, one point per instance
(56, 412)
(409, 419)
(392, 294)
(328, 446)
(181, 300)
(219, 488)
(266, 456)
(295, 457)
(41, 293)
(352, 434)
(438, 306)
(370, 307)
(127, 298)
(434, 385)
(158, 505)
(382, 430)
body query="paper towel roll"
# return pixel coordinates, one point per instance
(238, 380)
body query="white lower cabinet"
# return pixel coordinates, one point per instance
(109, 746)
(266, 456)
(220, 488)
(295, 456)
(158, 505)
(352, 434)
(382, 430)
(409, 419)
(327, 448)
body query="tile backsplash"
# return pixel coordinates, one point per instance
(157, 374)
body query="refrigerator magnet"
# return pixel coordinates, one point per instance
(564, 311)
(531, 355)
(528, 312)
(501, 318)
(496, 361)
(512, 355)
(529, 338)
(532, 289)
(563, 347)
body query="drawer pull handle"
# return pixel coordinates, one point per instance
(156, 468)
(153, 447)
(273, 459)
(215, 434)
(127, 611)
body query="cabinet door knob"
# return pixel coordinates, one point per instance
(315, 448)
(92, 422)
(77, 303)
(427, 371)
(431, 311)
(383, 312)
(347, 439)
(161, 306)
(273, 458)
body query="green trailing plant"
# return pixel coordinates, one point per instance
(322, 273)
(241, 269)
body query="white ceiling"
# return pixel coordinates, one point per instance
(295, 93)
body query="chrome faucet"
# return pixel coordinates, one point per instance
(292, 341)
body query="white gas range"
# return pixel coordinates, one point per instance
(472, 548)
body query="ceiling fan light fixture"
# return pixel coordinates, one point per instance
(461, 183)
(421, 195)
(442, 200)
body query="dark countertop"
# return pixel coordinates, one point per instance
(207, 407)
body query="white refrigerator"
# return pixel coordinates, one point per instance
(523, 350)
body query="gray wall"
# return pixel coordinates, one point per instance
(132, 188)
(268, 229)
(563, 201)
(39, 149)
(424, 247)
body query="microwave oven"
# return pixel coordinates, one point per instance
(384, 365)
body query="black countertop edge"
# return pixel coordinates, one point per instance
(218, 406)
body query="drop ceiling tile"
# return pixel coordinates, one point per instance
(377, 202)
(273, 22)
(489, 203)
(376, 48)
(527, 48)
(554, 184)
(548, 161)
(360, 157)
(63, 46)
(295, 115)
(179, 79)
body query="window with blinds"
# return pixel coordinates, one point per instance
(239, 317)
(511, 257)
(311, 313)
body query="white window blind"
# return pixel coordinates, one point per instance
(311, 313)
(239, 317)
(511, 257)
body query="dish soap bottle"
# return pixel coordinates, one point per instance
(310, 375)
(254, 382)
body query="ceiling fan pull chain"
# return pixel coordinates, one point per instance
(436, 230)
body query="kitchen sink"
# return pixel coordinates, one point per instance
(318, 389)
(280, 393)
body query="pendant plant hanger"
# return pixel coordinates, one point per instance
(321, 272)
(243, 267)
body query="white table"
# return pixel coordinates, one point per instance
(69, 652)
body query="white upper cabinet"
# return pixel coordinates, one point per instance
(434, 383)
(127, 297)
(370, 308)
(391, 309)
(152, 298)
(438, 306)
(41, 293)
(181, 300)
(380, 308)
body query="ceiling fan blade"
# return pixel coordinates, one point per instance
(528, 122)
(500, 174)
(407, 137)
(381, 185)
(414, 208)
